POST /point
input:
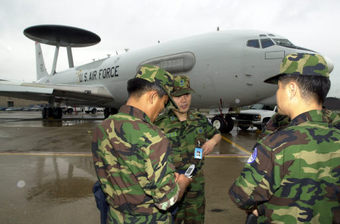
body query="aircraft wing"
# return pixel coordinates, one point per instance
(91, 95)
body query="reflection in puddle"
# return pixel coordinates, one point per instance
(62, 123)
(47, 189)
(63, 190)
(60, 179)
(52, 123)
(33, 119)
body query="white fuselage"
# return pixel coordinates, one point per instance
(221, 66)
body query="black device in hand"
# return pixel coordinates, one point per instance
(251, 219)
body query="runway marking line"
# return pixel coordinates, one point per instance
(69, 154)
(236, 145)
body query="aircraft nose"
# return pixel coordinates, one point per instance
(329, 64)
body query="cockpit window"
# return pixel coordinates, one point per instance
(284, 43)
(253, 43)
(266, 43)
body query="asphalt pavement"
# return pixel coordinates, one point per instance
(47, 170)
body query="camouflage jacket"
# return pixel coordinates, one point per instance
(131, 160)
(293, 175)
(278, 122)
(185, 136)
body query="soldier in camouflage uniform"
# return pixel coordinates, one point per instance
(293, 175)
(186, 131)
(278, 122)
(131, 154)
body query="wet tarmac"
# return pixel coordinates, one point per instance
(47, 170)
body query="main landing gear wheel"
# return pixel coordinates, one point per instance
(52, 112)
(223, 124)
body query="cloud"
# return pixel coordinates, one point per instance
(5, 48)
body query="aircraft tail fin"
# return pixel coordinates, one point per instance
(40, 64)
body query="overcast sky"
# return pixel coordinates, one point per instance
(121, 24)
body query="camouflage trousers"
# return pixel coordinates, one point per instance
(116, 217)
(191, 207)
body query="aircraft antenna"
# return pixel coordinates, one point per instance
(62, 36)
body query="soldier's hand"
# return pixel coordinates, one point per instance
(183, 179)
(183, 182)
(176, 177)
(255, 212)
(208, 146)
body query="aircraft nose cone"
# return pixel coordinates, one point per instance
(329, 64)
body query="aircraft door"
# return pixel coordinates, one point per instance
(252, 67)
(262, 59)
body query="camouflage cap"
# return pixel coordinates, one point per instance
(159, 76)
(302, 64)
(181, 85)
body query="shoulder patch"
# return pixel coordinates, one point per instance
(253, 156)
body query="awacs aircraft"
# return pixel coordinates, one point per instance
(227, 69)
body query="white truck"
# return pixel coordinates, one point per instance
(256, 116)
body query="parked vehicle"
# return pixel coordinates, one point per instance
(93, 110)
(33, 108)
(256, 116)
(70, 110)
(14, 108)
